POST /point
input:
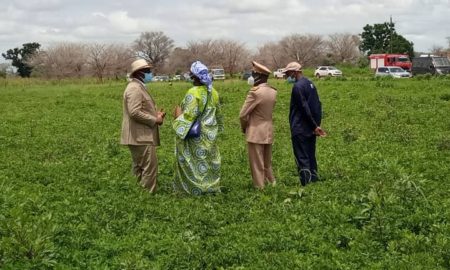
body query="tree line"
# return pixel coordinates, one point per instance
(100, 60)
(76, 60)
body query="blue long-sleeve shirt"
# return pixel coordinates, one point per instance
(305, 110)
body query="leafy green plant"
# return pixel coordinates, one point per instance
(69, 201)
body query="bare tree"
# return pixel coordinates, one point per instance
(306, 49)
(227, 54)
(98, 59)
(272, 54)
(109, 60)
(438, 50)
(448, 47)
(61, 60)
(343, 48)
(234, 55)
(208, 51)
(4, 69)
(120, 59)
(155, 47)
(179, 61)
(75, 60)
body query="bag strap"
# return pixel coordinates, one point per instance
(206, 103)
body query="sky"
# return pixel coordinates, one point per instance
(426, 23)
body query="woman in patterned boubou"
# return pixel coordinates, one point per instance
(197, 165)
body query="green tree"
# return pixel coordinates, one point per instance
(382, 38)
(19, 57)
(402, 45)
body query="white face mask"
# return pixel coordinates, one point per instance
(251, 81)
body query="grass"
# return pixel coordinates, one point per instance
(68, 199)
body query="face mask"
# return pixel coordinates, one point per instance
(251, 81)
(148, 77)
(257, 78)
(290, 79)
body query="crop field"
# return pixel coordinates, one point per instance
(68, 199)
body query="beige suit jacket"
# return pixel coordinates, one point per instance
(256, 114)
(139, 116)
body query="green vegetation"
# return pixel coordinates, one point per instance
(69, 201)
(20, 56)
(383, 38)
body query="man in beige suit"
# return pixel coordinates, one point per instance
(140, 125)
(257, 124)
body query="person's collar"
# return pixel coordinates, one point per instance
(141, 82)
(262, 84)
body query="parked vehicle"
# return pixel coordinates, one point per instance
(176, 78)
(385, 59)
(218, 74)
(323, 71)
(161, 78)
(186, 76)
(246, 74)
(395, 72)
(431, 64)
(278, 74)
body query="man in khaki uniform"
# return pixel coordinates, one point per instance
(257, 124)
(140, 123)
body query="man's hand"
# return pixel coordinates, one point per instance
(320, 132)
(160, 117)
(177, 112)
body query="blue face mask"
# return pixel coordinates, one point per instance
(148, 77)
(290, 80)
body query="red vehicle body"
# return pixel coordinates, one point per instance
(385, 59)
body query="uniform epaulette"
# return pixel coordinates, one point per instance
(254, 88)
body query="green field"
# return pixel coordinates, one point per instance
(68, 199)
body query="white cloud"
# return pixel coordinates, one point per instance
(424, 22)
(38, 5)
(120, 21)
(99, 14)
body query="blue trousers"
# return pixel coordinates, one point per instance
(305, 156)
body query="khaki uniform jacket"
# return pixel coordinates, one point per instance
(256, 114)
(139, 116)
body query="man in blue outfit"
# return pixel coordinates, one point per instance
(305, 116)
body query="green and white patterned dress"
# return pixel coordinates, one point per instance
(197, 165)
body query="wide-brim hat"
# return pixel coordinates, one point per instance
(257, 67)
(293, 66)
(139, 64)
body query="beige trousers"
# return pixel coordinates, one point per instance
(145, 165)
(260, 158)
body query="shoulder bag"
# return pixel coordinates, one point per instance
(195, 130)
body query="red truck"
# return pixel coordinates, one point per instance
(385, 59)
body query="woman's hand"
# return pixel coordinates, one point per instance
(177, 111)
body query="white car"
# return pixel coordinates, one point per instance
(324, 71)
(395, 72)
(279, 74)
(161, 78)
(176, 78)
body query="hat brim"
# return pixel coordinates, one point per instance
(141, 68)
(259, 68)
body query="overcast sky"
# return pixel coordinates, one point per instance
(426, 22)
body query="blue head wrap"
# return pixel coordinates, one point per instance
(201, 72)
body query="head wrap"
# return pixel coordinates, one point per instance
(201, 72)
